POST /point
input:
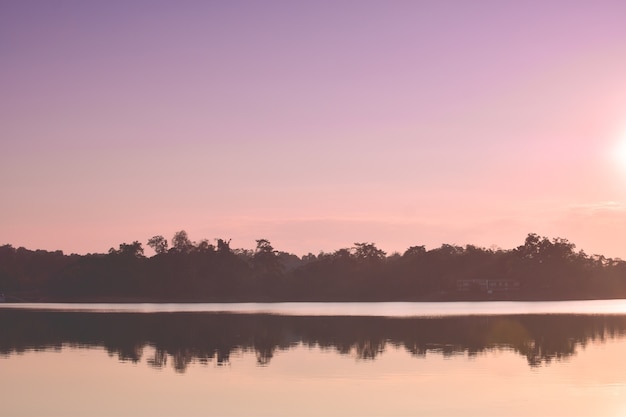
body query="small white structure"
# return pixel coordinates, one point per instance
(487, 285)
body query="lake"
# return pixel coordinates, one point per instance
(303, 359)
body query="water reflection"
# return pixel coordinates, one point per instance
(185, 338)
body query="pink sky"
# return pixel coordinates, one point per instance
(313, 124)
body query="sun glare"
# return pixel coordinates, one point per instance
(619, 151)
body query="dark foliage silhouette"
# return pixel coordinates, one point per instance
(539, 269)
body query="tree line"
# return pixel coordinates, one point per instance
(182, 270)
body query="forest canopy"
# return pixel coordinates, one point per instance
(541, 268)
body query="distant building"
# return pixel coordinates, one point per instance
(487, 285)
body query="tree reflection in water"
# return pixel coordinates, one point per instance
(185, 338)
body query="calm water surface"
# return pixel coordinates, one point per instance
(562, 358)
(392, 309)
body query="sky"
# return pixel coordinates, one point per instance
(313, 124)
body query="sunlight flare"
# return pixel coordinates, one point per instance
(619, 150)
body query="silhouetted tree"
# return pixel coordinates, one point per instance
(415, 251)
(158, 244)
(368, 252)
(131, 250)
(266, 260)
(181, 242)
(205, 247)
(223, 247)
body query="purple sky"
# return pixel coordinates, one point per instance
(313, 124)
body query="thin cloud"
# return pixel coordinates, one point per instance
(599, 207)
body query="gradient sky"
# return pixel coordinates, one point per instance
(313, 124)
